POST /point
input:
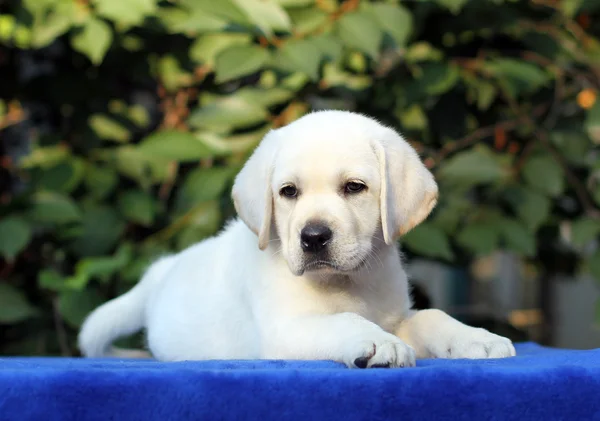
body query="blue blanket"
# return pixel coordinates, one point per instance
(539, 384)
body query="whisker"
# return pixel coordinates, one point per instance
(279, 250)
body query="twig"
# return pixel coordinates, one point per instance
(582, 77)
(484, 132)
(61, 333)
(529, 147)
(550, 120)
(166, 187)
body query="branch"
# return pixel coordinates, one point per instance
(529, 148)
(484, 132)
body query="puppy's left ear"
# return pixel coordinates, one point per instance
(252, 194)
(408, 190)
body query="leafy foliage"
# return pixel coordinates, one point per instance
(124, 122)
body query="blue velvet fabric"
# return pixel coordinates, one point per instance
(539, 384)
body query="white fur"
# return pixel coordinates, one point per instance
(251, 292)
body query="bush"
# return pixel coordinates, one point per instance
(125, 121)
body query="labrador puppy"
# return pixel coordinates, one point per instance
(310, 270)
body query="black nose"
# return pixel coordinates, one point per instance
(314, 237)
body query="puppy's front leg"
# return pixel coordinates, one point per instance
(434, 334)
(343, 337)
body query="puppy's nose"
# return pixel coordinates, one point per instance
(315, 237)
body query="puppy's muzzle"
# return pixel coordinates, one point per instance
(315, 237)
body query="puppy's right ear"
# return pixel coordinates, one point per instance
(252, 194)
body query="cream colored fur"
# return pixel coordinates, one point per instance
(252, 292)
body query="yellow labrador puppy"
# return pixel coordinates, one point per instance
(310, 270)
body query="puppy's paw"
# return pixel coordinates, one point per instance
(379, 351)
(474, 343)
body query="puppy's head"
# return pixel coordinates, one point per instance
(333, 187)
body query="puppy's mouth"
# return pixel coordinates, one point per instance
(320, 264)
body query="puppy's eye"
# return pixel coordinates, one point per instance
(354, 187)
(289, 191)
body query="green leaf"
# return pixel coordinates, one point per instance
(238, 61)
(227, 113)
(125, 13)
(543, 173)
(479, 237)
(413, 118)
(135, 269)
(300, 55)
(265, 97)
(486, 92)
(14, 307)
(307, 20)
(477, 165)
(295, 3)
(570, 7)
(360, 30)
(518, 76)
(53, 208)
(266, 14)
(93, 40)
(38, 7)
(51, 280)
(295, 82)
(428, 240)
(100, 181)
(583, 231)
(201, 185)
(49, 28)
(146, 169)
(75, 306)
(422, 51)
(450, 212)
(175, 145)
(101, 229)
(227, 9)
(573, 145)
(517, 238)
(189, 20)
(533, 208)
(438, 78)
(64, 177)
(47, 21)
(202, 221)
(235, 144)
(109, 128)
(334, 75)
(206, 48)
(45, 157)
(329, 45)
(454, 6)
(173, 74)
(15, 234)
(394, 20)
(99, 267)
(138, 206)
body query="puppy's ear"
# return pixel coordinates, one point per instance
(408, 190)
(252, 194)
